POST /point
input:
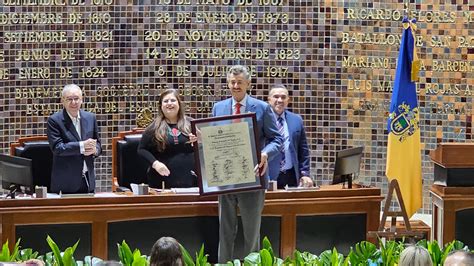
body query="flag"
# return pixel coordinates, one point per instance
(404, 148)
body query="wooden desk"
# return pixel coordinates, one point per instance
(447, 204)
(100, 212)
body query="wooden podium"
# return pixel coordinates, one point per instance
(454, 164)
(453, 155)
(452, 195)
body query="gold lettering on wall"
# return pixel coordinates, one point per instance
(465, 41)
(224, 36)
(452, 66)
(4, 73)
(40, 18)
(366, 62)
(38, 92)
(33, 55)
(397, 15)
(35, 37)
(34, 2)
(34, 73)
(370, 38)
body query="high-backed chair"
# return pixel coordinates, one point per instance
(37, 149)
(127, 166)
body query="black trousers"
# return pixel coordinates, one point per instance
(85, 183)
(287, 177)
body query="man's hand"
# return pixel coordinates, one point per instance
(306, 181)
(161, 168)
(90, 147)
(262, 167)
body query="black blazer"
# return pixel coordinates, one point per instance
(68, 161)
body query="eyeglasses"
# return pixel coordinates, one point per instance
(73, 99)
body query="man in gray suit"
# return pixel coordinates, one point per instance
(250, 203)
(73, 137)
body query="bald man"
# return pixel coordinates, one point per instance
(459, 258)
(291, 166)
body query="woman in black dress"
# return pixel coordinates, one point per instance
(166, 145)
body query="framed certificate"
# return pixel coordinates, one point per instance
(226, 154)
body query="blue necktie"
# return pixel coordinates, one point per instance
(281, 130)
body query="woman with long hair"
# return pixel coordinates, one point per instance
(166, 145)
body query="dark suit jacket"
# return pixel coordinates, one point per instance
(68, 161)
(298, 148)
(269, 137)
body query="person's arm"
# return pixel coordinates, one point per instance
(146, 144)
(303, 156)
(97, 138)
(92, 146)
(56, 142)
(303, 153)
(273, 139)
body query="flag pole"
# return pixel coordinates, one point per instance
(406, 8)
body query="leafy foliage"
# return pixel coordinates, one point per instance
(129, 258)
(333, 258)
(265, 257)
(6, 255)
(201, 258)
(59, 258)
(390, 252)
(363, 252)
(27, 254)
(438, 254)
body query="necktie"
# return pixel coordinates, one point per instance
(237, 108)
(281, 130)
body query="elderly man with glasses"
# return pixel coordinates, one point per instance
(73, 136)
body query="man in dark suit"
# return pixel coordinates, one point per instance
(291, 165)
(250, 203)
(73, 136)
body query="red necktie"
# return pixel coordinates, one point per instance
(237, 108)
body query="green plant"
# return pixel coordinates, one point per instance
(129, 258)
(6, 255)
(438, 255)
(265, 257)
(201, 258)
(27, 254)
(390, 252)
(332, 258)
(302, 259)
(363, 252)
(59, 258)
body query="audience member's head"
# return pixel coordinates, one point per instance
(415, 256)
(166, 252)
(34, 262)
(459, 258)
